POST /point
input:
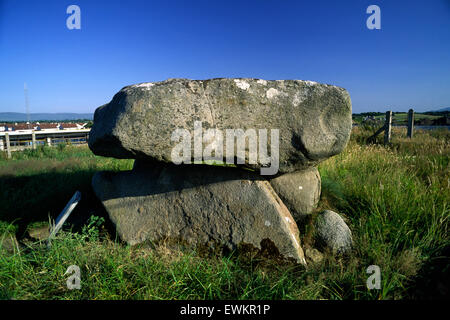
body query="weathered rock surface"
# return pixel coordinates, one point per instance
(39, 233)
(333, 232)
(314, 120)
(300, 191)
(314, 255)
(198, 205)
(9, 243)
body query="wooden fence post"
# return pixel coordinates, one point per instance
(410, 123)
(8, 145)
(388, 124)
(33, 139)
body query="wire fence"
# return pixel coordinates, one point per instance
(9, 143)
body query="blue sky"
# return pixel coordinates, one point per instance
(405, 64)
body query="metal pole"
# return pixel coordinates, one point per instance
(65, 214)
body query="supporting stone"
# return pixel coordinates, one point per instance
(300, 191)
(200, 206)
(331, 231)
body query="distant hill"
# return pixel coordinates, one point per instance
(17, 116)
(443, 109)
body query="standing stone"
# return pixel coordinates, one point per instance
(197, 205)
(333, 232)
(300, 191)
(314, 120)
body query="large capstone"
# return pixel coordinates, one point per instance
(197, 205)
(313, 121)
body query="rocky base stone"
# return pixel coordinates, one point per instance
(198, 205)
(333, 232)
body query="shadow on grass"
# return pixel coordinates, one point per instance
(35, 198)
(433, 279)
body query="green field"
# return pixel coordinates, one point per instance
(398, 118)
(395, 200)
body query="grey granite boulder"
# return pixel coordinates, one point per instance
(314, 120)
(300, 191)
(197, 205)
(332, 232)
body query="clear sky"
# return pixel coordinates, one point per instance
(405, 64)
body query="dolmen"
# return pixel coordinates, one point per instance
(219, 163)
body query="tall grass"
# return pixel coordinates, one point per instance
(36, 184)
(394, 198)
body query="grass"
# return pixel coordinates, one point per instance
(394, 198)
(36, 184)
